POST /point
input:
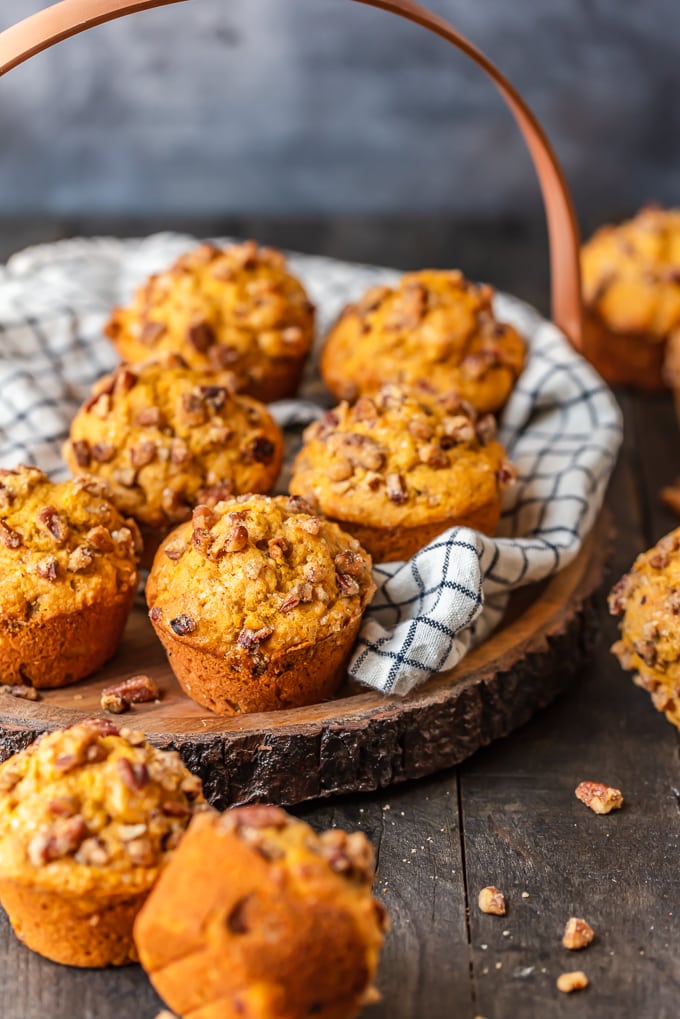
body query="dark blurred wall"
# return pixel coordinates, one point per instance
(328, 106)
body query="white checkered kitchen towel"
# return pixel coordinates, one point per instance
(561, 427)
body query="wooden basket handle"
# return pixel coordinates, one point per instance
(61, 20)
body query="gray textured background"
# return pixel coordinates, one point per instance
(324, 106)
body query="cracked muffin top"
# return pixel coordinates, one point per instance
(239, 932)
(400, 458)
(92, 809)
(631, 273)
(434, 327)
(166, 437)
(257, 574)
(236, 308)
(648, 600)
(62, 546)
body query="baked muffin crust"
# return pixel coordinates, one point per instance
(648, 600)
(235, 308)
(434, 327)
(166, 437)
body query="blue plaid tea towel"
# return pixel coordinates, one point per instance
(561, 427)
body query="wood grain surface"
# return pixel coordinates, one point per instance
(507, 816)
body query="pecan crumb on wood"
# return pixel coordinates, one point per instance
(135, 690)
(24, 693)
(568, 982)
(577, 933)
(492, 900)
(599, 797)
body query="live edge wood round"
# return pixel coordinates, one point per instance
(360, 741)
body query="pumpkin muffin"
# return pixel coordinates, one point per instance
(648, 599)
(257, 603)
(631, 290)
(288, 929)
(88, 817)
(434, 327)
(235, 308)
(397, 469)
(68, 576)
(166, 437)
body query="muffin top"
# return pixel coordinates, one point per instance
(401, 458)
(237, 308)
(92, 808)
(631, 273)
(257, 576)
(62, 546)
(434, 326)
(648, 598)
(165, 437)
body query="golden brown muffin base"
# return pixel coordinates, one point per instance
(60, 650)
(671, 368)
(624, 359)
(303, 675)
(281, 382)
(389, 545)
(73, 930)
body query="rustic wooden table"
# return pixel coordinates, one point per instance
(508, 816)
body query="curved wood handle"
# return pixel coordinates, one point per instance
(69, 17)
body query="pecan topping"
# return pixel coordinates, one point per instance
(492, 900)
(221, 355)
(236, 538)
(621, 592)
(250, 640)
(64, 838)
(56, 525)
(47, 568)
(142, 454)
(201, 336)
(63, 806)
(179, 452)
(24, 693)
(600, 798)
(216, 493)
(507, 474)
(135, 776)
(80, 559)
(419, 428)
(255, 816)
(351, 855)
(358, 449)
(301, 594)
(409, 307)
(175, 808)
(81, 452)
(174, 551)
(214, 396)
(296, 504)
(175, 505)
(364, 410)
(152, 332)
(155, 613)
(202, 540)
(141, 852)
(350, 562)
(99, 539)
(191, 409)
(203, 517)
(103, 452)
(278, 548)
(647, 651)
(261, 450)
(100, 405)
(125, 476)
(9, 537)
(149, 417)
(182, 625)
(396, 489)
(577, 933)
(458, 429)
(347, 585)
(433, 456)
(486, 428)
(124, 380)
(93, 853)
(339, 469)
(113, 702)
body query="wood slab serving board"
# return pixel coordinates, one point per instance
(361, 740)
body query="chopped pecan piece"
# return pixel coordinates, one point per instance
(577, 933)
(221, 356)
(201, 336)
(149, 417)
(100, 406)
(278, 548)
(433, 456)
(81, 452)
(350, 562)
(203, 517)
(647, 650)
(64, 806)
(50, 519)
(214, 396)
(93, 853)
(125, 476)
(347, 585)
(202, 540)
(359, 449)
(113, 702)
(301, 594)
(182, 625)
(507, 474)
(568, 982)
(47, 568)
(250, 640)
(175, 808)
(491, 900)
(486, 428)
(140, 689)
(599, 797)
(175, 551)
(141, 852)
(135, 776)
(103, 452)
(420, 428)
(339, 469)
(351, 855)
(458, 429)
(396, 489)
(151, 332)
(143, 453)
(24, 693)
(99, 539)
(191, 409)
(62, 839)
(124, 380)
(175, 505)
(236, 538)
(255, 816)
(179, 452)
(80, 559)
(621, 592)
